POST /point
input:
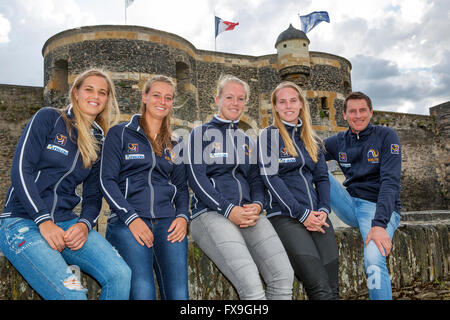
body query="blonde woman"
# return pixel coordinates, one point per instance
(227, 223)
(39, 232)
(147, 192)
(294, 171)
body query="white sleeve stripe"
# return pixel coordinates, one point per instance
(103, 187)
(20, 166)
(39, 219)
(133, 216)
(87, 222)
(305, 215)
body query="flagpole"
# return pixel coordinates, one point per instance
(215, 38)
(125, 11)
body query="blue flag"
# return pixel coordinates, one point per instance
(313, 19)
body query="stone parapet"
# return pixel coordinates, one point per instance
(420, 257)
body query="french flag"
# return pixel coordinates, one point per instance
(222, 25)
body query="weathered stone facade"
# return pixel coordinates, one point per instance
(132, 54)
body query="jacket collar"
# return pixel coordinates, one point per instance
(69, 112)
(134, 123)
(362, 134)
(289, 125)
(95, 126)
(217, 121)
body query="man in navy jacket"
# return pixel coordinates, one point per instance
(370, 158)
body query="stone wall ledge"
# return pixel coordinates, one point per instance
(420, 257)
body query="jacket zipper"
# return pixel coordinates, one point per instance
(233, 173)
(55, 195)
(300, 170)
(152, 191)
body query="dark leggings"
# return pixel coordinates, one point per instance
(313, 256)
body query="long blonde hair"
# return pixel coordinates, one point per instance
(164, 138)
(307, 134)
(87, 144)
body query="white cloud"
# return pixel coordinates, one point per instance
(68, 14)
(5, 28)
(399, 49)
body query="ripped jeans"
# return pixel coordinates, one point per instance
(48, 272)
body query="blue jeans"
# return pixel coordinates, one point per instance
(168, 260)
(47, 270)
(359, 213)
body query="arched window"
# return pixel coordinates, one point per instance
(61, 75)
(182, 74)
(347, 88)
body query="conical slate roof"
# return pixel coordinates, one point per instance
(291, 33)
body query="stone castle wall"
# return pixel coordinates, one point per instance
(425, 141)
(132, 54)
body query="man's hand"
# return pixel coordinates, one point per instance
(381, 238)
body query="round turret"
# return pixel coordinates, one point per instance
(293, 55)
(291, 34)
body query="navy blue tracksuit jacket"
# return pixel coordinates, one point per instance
(138, 183)
(295, 185)
(371, 162)
(222, 168)
(46, 169)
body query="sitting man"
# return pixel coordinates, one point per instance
(370, 158)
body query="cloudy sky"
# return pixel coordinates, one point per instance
(399, 49)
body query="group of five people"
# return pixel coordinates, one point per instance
(143, 172)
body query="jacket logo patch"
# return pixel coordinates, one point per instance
(134, 156)
(373, 156)
(287, 160)
(395, 149)
(169, 155)
(342, 156)
(284, 152)
(52, 147)
(133, 147)
(60, 139)
(247, 149)
(217, 146)
(218, 155)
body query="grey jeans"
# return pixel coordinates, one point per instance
(241, 254)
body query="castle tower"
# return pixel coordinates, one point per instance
(293, 55)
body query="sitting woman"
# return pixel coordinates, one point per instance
(147, 191)
(39, 232)
(295, 173)
(228, 200)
